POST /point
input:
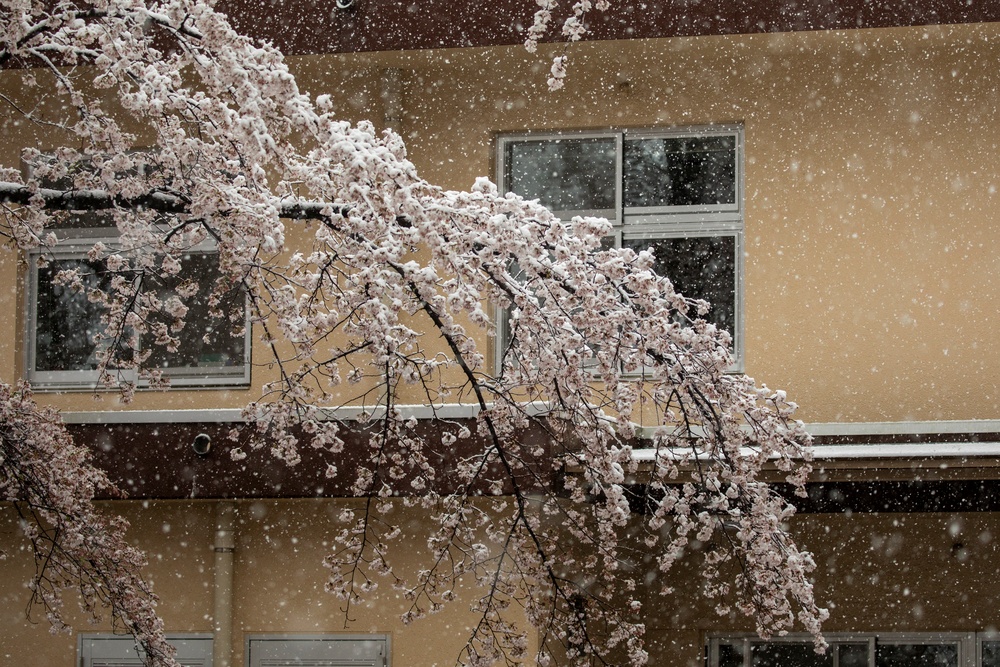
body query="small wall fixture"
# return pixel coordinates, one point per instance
(202, 444)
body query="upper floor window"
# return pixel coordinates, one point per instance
(62, 325)
(677, 192)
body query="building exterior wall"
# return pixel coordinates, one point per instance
(871, 286)
(889, 572)
(870, 189)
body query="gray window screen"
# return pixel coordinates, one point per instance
(120, 651)
(319, 651)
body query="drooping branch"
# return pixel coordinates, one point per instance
(394, 289)
(162, 202)
(51, 481)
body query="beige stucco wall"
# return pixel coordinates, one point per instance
(278, 581)
(871, 181)
(876, 572)
(870, 188)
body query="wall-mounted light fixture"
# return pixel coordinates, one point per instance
(202, 444)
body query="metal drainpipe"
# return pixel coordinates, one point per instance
(392, 99)
(222, 615)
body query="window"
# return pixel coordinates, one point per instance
(120, 650)
(62, 322)
(864, 650)
(675, 191)
(318, 651)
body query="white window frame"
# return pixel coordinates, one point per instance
(631, 223)
(991, 636)
(969, 644)
(109, 650)
(75, 244)
(279, 650)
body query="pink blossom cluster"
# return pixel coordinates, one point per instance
(51, 483)
(394, 293)
(574, 28)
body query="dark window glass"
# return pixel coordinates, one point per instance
(991, 654)
(853, 655)
(679, 171)
(564, 174)
(781, 654)
(67, 322)
(700, 267)
(916, 655)
(207, 343)
(730, 655)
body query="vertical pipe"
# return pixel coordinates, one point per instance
(222, 615)
(392, 99)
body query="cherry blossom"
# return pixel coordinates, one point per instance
(396, 289)
(51, 483)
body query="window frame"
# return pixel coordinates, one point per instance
(75, 244)
(254, 660)
(655, 222)
(969, 644)
(190, 647)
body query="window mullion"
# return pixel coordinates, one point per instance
(619, 183)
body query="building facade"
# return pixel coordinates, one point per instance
(826, 175)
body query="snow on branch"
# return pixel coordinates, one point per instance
(392, 293)
(51, 483)
(161, 202)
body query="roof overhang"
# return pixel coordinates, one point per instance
(312, 27)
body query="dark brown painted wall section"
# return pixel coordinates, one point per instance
(158, 461)
(300, 27)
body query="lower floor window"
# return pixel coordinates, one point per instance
(121, 651)
(318, 650)
(858, 650)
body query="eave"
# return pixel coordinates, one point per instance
(393, 25)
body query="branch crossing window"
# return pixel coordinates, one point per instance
(677, 192)
(62, 323)
(120, 651)
(946, 649)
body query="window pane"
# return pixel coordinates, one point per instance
(66, 321)
(207, 344)
(853, 655)
(730, 655)
(679, 171)
(564, 174)
(700, 267)
(780, 654)
(991, 654)
(916, 655)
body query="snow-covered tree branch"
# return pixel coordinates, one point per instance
(51, 483)
(365, 284)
